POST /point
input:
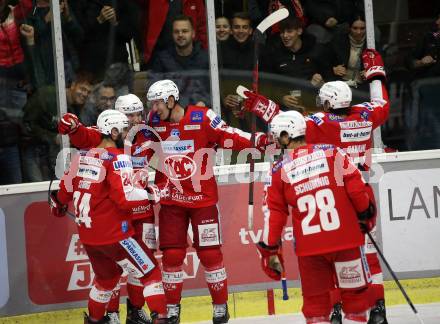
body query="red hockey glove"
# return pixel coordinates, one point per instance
(56, 208)
(153, 193)
(367, 218)
(261, 141)
(272, 261)
(68, 124)
(261, 106)
(373, 64)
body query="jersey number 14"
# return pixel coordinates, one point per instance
(82, 208)
(324, 201)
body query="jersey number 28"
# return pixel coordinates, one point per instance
(328, 215)
(82, 208)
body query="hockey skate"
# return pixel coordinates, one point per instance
(173, 313)
(220, 314)
(156, 320)
(378, 313)
(104, 320)
(136, 315)
(336, 315)
(114, 318)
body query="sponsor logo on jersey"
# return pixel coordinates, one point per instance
(155, 119)
(216, 121)
(191, 127)
(124, 227)
(90, 161)
(84, 184)
(138, 162)
(137, 254)
(318, 121)
(117, 165)
(140, 209)
(334, 117)
(173, 147)
(355, 135)
(350, 274)
(160, 129)
(106, 156)
(308, 170)
(175, 132)
(146, 133)
(300, 160)
(208, 234)
(196, 116)
(88, 172)
(317, 147)
(179, 167)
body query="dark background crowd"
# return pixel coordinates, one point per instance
(115, 47)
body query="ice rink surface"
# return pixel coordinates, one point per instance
(402, 314)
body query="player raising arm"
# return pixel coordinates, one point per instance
(328, 199)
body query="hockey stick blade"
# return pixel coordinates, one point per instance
(272, 19)
(240, 91)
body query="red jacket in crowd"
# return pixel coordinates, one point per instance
(11, 52)
(157, 13)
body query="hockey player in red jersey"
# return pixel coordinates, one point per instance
(189, 136)
(143, 218)
(351, 129)
(100, 183)
(328, 198)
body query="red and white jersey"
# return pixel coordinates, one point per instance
(353, 133)
(325, 190)
(87, 137)
(188, 152)
(100, 183)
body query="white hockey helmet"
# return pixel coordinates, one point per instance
(291, 122)
(109, 119)
(163, 89)
(129, 104)
(337, 93)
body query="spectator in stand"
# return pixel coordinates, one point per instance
(187, 62)
(42, 60)
(185, 53)
(327, 17)
(102, 98)
(158, 26)
(12, 70)
(345, 57)
(222, 28)
(260, 9)
(236, 53)
(293, 55)
(40, 120)
(425, 59)
(108, 25)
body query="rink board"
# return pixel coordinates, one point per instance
(46, 267)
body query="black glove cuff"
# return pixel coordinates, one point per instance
(368, 213)
(268, 247)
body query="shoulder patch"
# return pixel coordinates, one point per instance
(196, 116)
(316, 119)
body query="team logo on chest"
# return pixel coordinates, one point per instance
(179, 167)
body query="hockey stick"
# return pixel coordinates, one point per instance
(240, 91)
(395, 278)
(269, 21)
